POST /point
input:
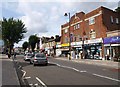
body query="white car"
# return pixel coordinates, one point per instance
(28, 56)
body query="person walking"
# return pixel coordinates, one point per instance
(9, 55)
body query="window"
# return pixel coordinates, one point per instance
(111, 17)
(75, 38)
(92, 34)
(91, 21)
(66, 40)
(117, 21)
(66, 30)
(76, 26)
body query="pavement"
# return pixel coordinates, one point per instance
(9, 75)
(105, 63)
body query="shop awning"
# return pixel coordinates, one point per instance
(112, 40)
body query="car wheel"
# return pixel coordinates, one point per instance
(34, 64)
(30, 62)
(46, 64)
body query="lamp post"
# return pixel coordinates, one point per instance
(83, 47)
(68, 14)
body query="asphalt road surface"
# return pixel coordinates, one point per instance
(60, 72)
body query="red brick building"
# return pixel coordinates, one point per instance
(90, 28)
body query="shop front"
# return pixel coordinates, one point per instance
(112, 48)
(58, 50)
(93, 48)
(65, 49)
(76, 50)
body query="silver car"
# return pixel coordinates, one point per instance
(39, 58)
(28, 56)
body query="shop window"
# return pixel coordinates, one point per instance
(80, 39)
(91, 21)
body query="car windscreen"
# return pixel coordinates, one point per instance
(40, 55)
(29, 55)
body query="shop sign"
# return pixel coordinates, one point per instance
(58, 45)
(112, 40)
(99, 40)
(46, 49)
(76, 43)
(65, 45)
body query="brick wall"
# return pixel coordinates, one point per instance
(102, 23)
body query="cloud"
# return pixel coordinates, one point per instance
(45, 17)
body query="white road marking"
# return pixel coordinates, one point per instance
(27, 77)
(106, 77)
(75, 69)
(103, 69)
(86, 71)
(83, 71)
(67, 67)
(41, 82)
(30, 84)
(57, 64)
(24, 73)
(19, 67)
(36, 84)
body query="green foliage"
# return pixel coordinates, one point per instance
(12, 31)
(25, 45)
(117, 9)
(33, 40)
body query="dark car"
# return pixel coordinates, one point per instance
(39, 58)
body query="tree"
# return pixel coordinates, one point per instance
(25, 45)
(117, 9)
(33, 40)
(12, 31)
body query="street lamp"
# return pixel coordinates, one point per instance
(68, 14)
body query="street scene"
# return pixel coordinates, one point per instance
(60, 43)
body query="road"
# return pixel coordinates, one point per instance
(60, 72)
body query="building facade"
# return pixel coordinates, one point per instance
(87, 32)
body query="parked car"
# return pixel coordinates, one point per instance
(39, 58)
(28, 56)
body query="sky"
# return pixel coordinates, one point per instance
(45, 17)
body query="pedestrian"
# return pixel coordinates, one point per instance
(14, 54)
(9, 55)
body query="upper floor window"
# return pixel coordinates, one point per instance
(91, 21)
(92, 34)
(74, 27)
(117, 21)
(111, 17)
(66, 39)
(66, 30)
(77, 26)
